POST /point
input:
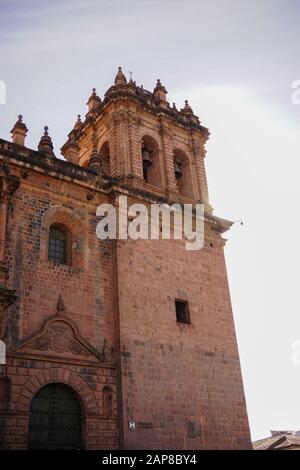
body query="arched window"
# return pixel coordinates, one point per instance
(183, 175)
(151, 161)
(58, 252)
(107, 402)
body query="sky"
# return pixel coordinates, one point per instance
(235, 61)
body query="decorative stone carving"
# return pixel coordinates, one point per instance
(59, 336)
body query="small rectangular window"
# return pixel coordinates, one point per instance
(182, 311)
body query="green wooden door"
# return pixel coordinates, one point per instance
(55, 419)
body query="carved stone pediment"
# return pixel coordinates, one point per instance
(59, 337)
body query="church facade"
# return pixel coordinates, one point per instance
(114, 344)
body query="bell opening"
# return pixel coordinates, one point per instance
(146, 158)
(177, 170)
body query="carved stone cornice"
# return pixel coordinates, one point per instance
(150, 103)
(8, 185)
(165, 131)
(7, 298)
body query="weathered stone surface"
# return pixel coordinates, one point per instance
(105, 322)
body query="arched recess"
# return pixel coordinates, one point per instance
(62, 375)
(87, 398)
(56, 417)
(151, 163)
(183, 173)
(75, 226)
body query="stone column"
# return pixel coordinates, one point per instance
(199, 154)
(113, 146)
(119, 144)
(7, 296)
(3, 212)
(135, 146)
(8, 185)
(166, 137)
(122, 144)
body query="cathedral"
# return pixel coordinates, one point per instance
(114, 344)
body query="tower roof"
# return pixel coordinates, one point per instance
(153, 102)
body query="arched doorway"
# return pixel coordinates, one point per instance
(55, 420)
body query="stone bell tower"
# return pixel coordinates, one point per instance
(131, 119)
(178, 366)
(114, 344)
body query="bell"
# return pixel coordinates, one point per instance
(177, 169)
(146, 159)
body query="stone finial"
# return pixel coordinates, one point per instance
(70, 150)
(93, 101)
(60, 307)
(159, 91)
(120, 79)
(159, 86)
(19, 131)
(95, 160)
(78, 123)
(187, 109)
(45, 146)
(131, 87)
